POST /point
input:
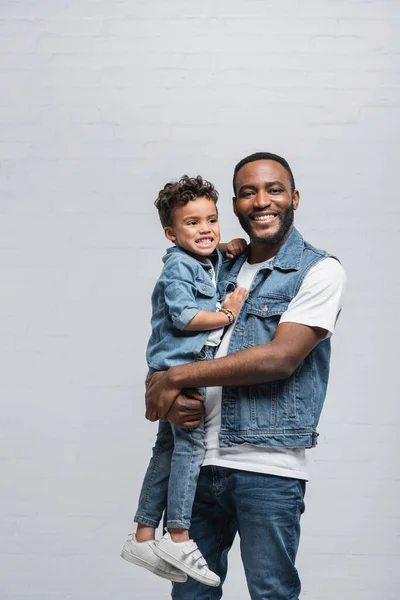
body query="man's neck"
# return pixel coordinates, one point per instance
(260, 253)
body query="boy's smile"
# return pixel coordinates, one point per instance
(195, 227)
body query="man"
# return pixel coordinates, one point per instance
(265, 393)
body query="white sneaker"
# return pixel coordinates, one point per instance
(187, 557)
(142, 554)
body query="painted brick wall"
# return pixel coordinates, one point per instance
(103, 101)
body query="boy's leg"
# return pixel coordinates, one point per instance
(187, 457)
(213, 527)
(175, 546)
(153, 496)
(268, 511)
(139, 549)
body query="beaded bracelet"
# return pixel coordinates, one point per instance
(229, 313)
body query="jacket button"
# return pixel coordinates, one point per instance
(265, 307)
(204, 288)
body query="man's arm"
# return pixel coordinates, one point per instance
(292, 342)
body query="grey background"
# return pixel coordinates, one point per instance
(100, 104)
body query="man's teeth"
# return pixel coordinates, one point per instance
(264, 217)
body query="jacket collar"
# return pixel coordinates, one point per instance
(216, 257)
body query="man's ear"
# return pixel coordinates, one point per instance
(169, 234)
(296, 199)
(234, 205)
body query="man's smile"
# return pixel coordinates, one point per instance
(264, 217)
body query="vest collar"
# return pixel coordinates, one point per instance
(288, 257)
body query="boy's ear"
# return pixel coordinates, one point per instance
(169, 234)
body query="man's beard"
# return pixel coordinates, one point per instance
(274, 238)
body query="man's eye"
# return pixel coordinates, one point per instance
(247, 194)
(276, 191)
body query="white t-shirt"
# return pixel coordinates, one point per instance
(317, 304)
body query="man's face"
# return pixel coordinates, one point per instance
(264, 201)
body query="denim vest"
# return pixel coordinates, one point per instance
(183, 288)
(284, 412)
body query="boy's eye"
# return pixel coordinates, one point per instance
(213, 220)
(191, 223)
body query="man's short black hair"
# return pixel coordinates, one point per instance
(179, 193)
(263, 156)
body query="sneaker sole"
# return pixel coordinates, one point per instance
(182, 567)
(142, 563)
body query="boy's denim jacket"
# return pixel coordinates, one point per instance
(285, 412)
(183, 289)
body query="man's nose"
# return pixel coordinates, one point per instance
(262, 200)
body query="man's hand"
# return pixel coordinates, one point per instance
(187, 411)
(165, 402)
(160, 396)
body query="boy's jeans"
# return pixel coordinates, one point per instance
(171, 477)
(265, 510)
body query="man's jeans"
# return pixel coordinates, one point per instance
(265, 510)
(171, 477)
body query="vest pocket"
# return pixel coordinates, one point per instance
(262, 319)
(267, 306)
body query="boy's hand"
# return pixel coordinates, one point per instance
(235, 300)
(235, 247)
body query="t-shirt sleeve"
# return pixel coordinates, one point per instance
(180, 293)
(319, 300)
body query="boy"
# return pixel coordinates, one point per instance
(187, 325)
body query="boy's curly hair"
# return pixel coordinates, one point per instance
(179, 193)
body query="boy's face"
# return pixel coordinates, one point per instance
(195, 227)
